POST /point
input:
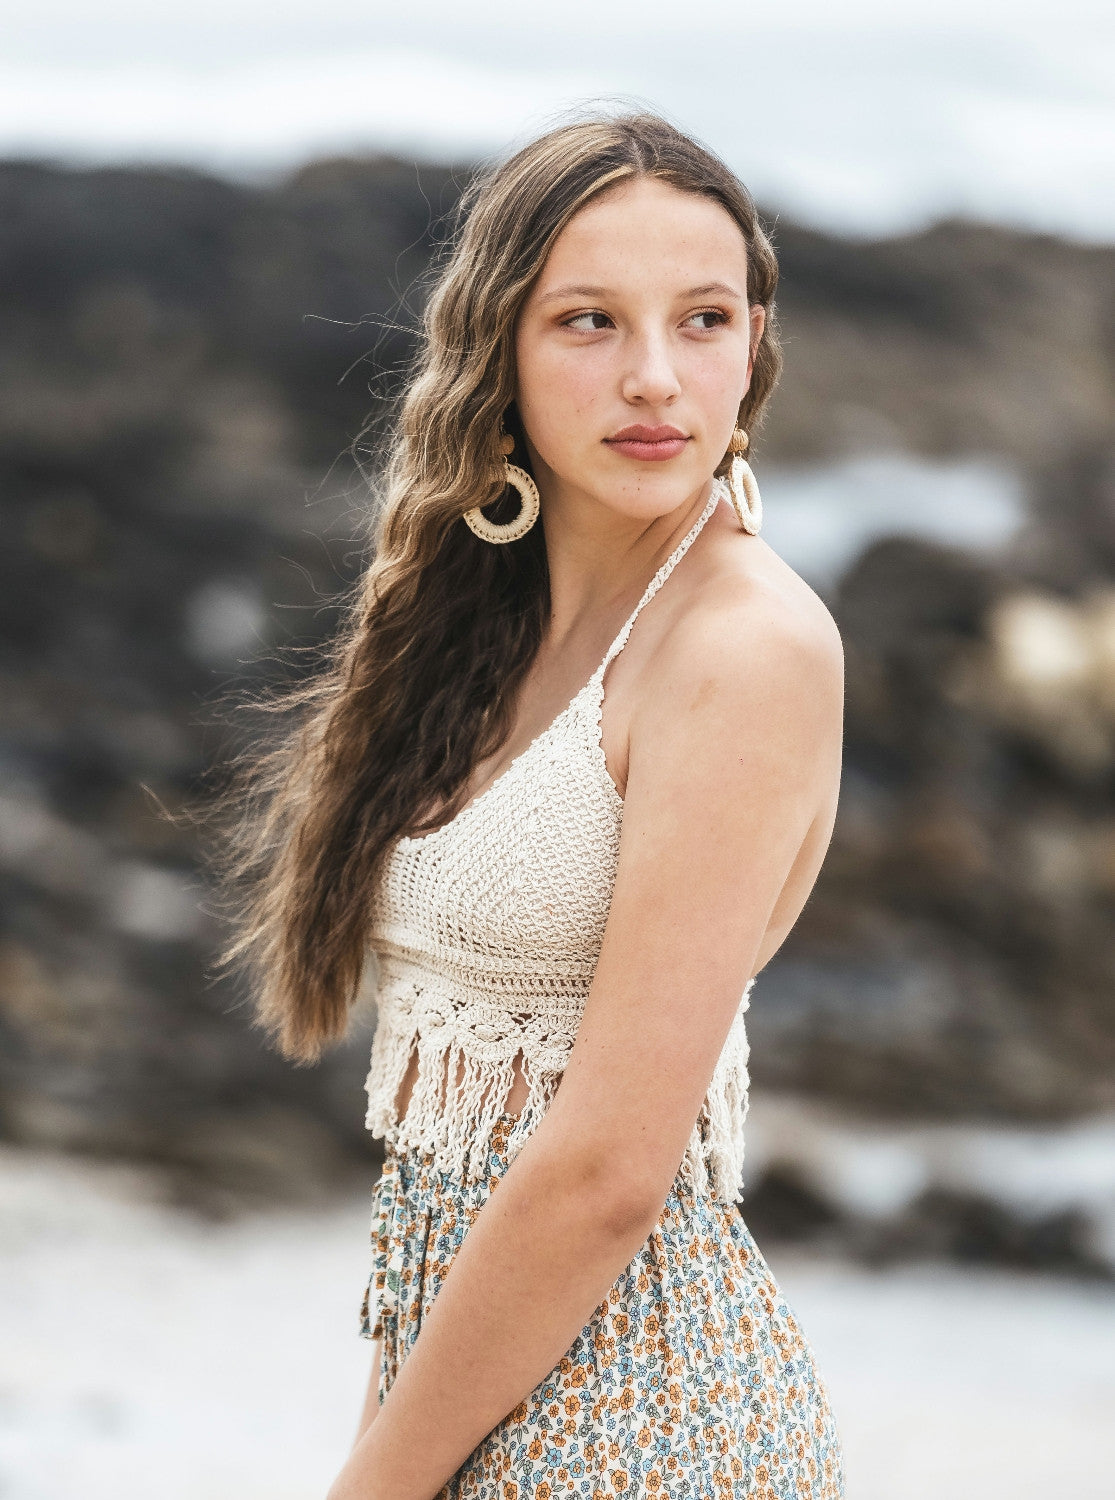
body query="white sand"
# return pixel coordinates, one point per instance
(951, 1383)
(146, 1354)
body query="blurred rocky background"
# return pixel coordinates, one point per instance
(184, 363)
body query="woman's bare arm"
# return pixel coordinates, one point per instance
(733, 757)
(371, 1396)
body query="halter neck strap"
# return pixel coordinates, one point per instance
(660, 577)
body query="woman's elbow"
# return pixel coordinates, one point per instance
(622, 1200)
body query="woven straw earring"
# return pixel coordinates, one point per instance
(520, 480)
(743, 491)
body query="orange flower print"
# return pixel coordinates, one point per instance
(692, 1378)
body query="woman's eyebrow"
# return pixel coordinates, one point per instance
(714, 289)
(710, 289)
(575, 291)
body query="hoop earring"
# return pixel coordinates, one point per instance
(519, 479)
(743, 491)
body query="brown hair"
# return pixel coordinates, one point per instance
(420, 681)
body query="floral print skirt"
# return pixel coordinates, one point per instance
(691, 1381)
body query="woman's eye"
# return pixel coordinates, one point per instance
(715, 317)
(590, 322)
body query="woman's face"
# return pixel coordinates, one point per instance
(634, 349)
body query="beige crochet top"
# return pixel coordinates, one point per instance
(484, 937)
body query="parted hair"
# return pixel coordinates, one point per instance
(419, 682)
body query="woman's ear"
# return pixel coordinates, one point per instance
(757, 314)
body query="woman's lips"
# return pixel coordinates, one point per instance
(654, 443)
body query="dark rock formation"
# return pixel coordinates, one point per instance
(185, 362)
(958, 954)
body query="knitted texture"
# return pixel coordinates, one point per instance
(485, 936)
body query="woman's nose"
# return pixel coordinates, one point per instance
(650, 376)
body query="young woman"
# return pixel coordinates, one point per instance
(567, 785)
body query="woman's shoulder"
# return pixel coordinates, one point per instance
(741, 700)
(744, 609)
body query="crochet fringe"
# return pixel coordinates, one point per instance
(477, 1045)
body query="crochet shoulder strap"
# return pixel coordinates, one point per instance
(660, 578)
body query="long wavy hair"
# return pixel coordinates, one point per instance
(419, 682)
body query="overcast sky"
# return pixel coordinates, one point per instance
(863, 117)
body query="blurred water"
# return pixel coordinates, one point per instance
(155, 1354)
(820, 517)
(876, 1171)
